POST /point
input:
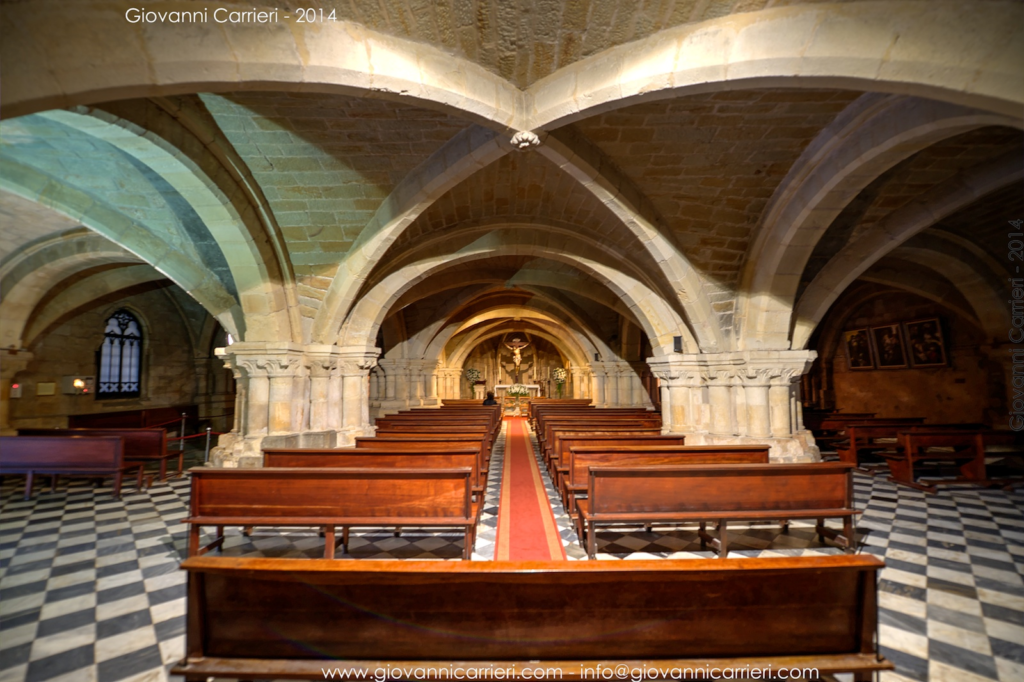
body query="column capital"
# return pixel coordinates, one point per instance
(357, 361)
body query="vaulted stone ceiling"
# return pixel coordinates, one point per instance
(304, 209)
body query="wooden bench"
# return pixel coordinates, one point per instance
(328, 498)
(253, 618)
(546, 438)
(66, 456)
(449, 457)
(140, 445)
(559, 453)
(961, 446)
(574, 479)
(392, 429)
(867, 438)
(722, 492)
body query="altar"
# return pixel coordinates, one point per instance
(534, 389)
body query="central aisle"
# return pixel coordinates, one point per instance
(526, 525)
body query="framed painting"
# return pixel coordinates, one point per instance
(925, 344)
(858, 349)
(888, 341)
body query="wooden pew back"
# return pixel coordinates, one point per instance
(613, 453)
(702, 491)
(406, 458)
(547, 434)
(144, 445)
(310, 496)
(374, 614)
(65, 454)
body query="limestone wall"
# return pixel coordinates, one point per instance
(968, 389)
(69, 348)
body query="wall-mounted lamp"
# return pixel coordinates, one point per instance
(77, 385)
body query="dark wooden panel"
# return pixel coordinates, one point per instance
(533, 611)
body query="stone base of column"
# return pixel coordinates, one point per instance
(392, 407)
(233, 452)
(347, 438)
(799, 447)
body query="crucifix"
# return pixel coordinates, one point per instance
(517, 347)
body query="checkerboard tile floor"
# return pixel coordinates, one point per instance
(90, 587)
(951, 598)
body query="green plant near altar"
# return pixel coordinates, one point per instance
(559, 375)
(472, 375)
(517, 391)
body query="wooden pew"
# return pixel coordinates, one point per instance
(723, 493)
(543, 418)
(392, 429)
(556, 458)
(444, 414)
(534, 403)
(428, 441)
(574, 480)
(546, 437)
(328, 498)
(959, 445)
(66, 456)
(866, 438)
(140, 445)
(282, 618)
(449, 457)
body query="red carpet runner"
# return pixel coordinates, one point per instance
(526, 526)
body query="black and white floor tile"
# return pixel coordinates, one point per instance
(951, 598)
(90, 587)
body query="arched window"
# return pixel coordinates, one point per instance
(120, 357)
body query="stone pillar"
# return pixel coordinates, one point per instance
(320, 369)
(623, 381)
(432, 375)
(577, 381)
(294, 396)
(12, 362)
(758, 414)
(780, 402)
(737, 397)
(355, 365)
(599, 380)
(721, 403)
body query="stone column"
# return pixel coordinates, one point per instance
(355, 365)
(755, 384)
(678, 380)
(12, 362)
(432, 373)
(780, 400)
(321, 369)
(577, 381)
(286, 403)
(721, 403)
(599, 380)
(257, 397)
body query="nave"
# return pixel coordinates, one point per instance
(91, 586)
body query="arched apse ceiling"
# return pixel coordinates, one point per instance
(701, 170)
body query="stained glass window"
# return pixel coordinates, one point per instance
(120, 357)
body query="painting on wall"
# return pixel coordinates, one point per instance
(889, 346)
(925, 343)
(858, 349)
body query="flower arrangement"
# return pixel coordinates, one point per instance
(517, 390)
(559, 375)
(472, 375)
